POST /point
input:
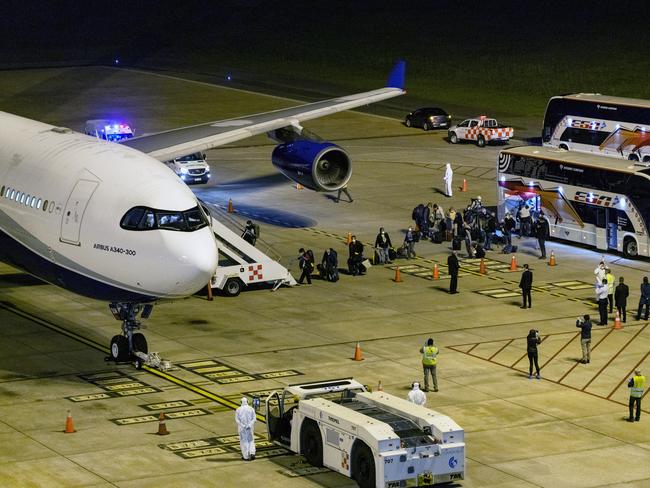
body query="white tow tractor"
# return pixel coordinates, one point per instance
(377, 439)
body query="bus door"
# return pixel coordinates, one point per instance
(611, 216)
(606, 228)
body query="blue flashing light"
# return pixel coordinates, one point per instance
(531, 183)
(116, 61)
(570, 121)
(228, 77)
(623, 202)
(560, 190)
(502, 178)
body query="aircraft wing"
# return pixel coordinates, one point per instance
(170, 144)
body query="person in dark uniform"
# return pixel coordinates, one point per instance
(356, 257)
(532, 341)
(621, 293)
(306, 266)
(453, 266)
(644, 299)
(250, 233)
(526, 283)
(542, 229)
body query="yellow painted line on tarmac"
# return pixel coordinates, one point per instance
(95, 345)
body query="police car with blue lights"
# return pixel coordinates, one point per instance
(377, 439)
(109, 130)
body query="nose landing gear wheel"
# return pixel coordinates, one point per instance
(119, 348)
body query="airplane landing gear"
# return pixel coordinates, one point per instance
(124, 346)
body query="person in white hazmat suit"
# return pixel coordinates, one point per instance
(245, 418)
(449, 174)
(416, 395)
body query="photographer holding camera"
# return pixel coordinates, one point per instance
(533, 340)
(584, 324)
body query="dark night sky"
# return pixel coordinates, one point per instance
(137, 28)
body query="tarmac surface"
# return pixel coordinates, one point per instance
(566, 430)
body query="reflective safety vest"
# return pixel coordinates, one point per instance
(429, 355)
(610, 283)
(636, 391)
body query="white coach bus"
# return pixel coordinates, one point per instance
(600, 124)
(593, 200)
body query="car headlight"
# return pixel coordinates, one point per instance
(184, 171)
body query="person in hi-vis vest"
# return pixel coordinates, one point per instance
(429, 361)
(637, 386)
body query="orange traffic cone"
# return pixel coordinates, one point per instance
(299, 186)
(348, 239)
(513, 263)
(357, 353)
(481, 268)
(436, 272)
(398, 276)
(69, 426)
(379, 387)
(464, 187)
(230, 208)
(162, 428)
(551, 261)
(617, 322)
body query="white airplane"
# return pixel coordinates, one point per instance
(108, 221)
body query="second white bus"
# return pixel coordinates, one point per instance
(592, 200)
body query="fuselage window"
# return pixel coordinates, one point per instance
(142, 218)
(33, 204)
(2, 191)
(26, 200)
(38, 204)
(16, 196)
(51, 207)
(8, 192)
(45, 206)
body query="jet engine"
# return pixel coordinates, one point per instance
(317, 165)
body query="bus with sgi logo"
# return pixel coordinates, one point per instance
(592, 200)
(600, 124)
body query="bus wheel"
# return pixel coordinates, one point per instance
(363, 466)
(630, 248)
(480, 141)
(311, 443)
(633, 157)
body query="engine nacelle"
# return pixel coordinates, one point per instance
(319, 166)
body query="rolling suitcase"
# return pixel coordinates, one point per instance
(456, 244)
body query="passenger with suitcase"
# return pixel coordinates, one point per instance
(409, 243)
(382, 246)
(330, 265)
(356, 258)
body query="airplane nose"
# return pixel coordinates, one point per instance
(203, 262)
(196, 260)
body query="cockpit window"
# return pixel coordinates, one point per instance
(143, 218)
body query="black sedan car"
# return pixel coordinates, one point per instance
(428, 118)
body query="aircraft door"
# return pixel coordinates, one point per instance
(74, 211)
